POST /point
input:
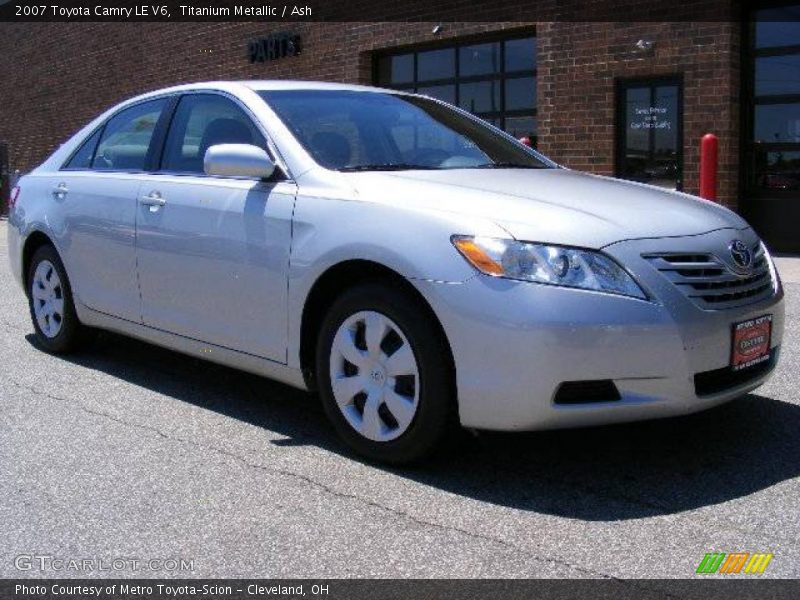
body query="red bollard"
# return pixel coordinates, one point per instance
(709, 145)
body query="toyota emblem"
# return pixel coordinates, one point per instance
(741, 254)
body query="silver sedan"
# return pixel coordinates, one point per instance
(416, 266)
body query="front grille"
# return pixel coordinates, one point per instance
(710, 283)
(587, 392)
(720, 380)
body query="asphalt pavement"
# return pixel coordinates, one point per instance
(131, 452)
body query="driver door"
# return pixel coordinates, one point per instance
(213, 252)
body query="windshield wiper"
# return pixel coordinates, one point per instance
(508, 165)
(385, 167)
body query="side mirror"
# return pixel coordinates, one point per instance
(238, 160)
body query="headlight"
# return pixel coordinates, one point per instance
(773, 269)
(554, 265)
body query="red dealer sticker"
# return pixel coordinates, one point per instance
(751, 342)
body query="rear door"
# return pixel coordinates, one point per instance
(97, 190)
(213, 252)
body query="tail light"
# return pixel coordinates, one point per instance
(12, 200)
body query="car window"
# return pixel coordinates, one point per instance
(414, 136)
(202, 121)
(335, 137)
(353, 130)
(126, 138)
(82, 159)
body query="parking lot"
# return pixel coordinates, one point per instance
(134, 452)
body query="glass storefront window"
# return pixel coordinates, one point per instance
(481, 59)
(494, 79)
(520, 93)
(776, 75)
(436, 64)
(397, 69)
(778, 170)
(479, 97)
(775, 123)
(773, 137)
(521, 54)
(777, 27)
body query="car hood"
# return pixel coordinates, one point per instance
(551, 205)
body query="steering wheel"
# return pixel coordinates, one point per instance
(430, 157)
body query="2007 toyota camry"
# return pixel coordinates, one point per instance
(415, 265)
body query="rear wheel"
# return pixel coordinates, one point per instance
(50, 299)
(385, 379)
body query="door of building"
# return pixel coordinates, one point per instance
(650, 131)
(771, 128)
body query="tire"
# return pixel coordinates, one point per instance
(408, 388)
(55, 321)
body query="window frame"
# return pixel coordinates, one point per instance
(499, 77)
(158, 141)
(155, 139)
(282, 172)
(749, 147)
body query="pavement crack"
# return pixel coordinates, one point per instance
(329, 490)
(325, 488)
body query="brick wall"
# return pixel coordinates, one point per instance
(579, 64)
(55, 77)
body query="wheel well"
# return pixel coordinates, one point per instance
(330, 285)
(35, 240)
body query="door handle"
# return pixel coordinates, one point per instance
(153, 200)
(60, 191)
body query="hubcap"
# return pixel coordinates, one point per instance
(48, 299)
(374, 376)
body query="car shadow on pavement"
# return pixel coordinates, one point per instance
(599, 474)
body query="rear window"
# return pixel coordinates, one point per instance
(126, 138)
(82, 159)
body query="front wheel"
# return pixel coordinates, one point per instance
(384, 374)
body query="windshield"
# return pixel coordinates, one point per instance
(366, 131)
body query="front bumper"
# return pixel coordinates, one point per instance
(515, 343)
